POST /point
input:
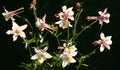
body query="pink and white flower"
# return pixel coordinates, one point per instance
(68, 54)
(104, 17)
(41, 54)
(41, 24)
(64, 16)
(104, 42)
(17, 31)
(9, 14)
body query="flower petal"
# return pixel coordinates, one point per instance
(15, 37)
(64, 63)
(34, 57)
(47, 55)
(22, 35)
(64, 8)
(102, 48)
(102, 36)
(23, 27)
(9, 32)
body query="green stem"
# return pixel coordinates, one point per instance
(78, 66)
(29, 23)
(76, 21)
(74, 38)
(68, 34)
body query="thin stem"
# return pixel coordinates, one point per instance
(58, 41)
(29, 23)
(84, 30)
(76, 20)
(68, 34)
(78, 66)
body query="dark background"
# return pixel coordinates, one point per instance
(12, 54)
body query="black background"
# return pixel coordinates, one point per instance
(12, 54)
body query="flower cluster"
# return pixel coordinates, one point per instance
(67, 53)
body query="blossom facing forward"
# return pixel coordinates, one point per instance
(104, 17)
(17, 31)
(68, 54)
(41, 54)
(9, 14)
(64, 16)
(104, 42)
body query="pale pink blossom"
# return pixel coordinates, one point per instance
(67, 59)
(41, 54)
(68, 54)
(104, 42)
(66, 14)
(104, 17)
(41, 24)
(17, 31)
(9, 14)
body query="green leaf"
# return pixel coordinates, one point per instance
(85, 65)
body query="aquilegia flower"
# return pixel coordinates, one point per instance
(9, 14)
(17, 31)
(41, 24)
(68, 54)
(104, 42)
(104, 17)
(41, 54)
(64, 16)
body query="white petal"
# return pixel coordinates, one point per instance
(15, 37)
(58, 22)
(107, 15)
(34, 57)
(100, 12)
(6, 16)
(37, 50)
(41, 60)
(23, 27)
(73, 53)
(109, 41)
(70, 25)
(44, 18)
(15, 25)
(107, 21)
(64, 63)
(102, 48)
(47, 55)
(9, 32)
(72, 18)
(107, 46)
(102, 36)
(70, 11)
(64, 8)
(72, 60)
(22, 35)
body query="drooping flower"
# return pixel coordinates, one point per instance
(68, 54)
(104, 42)
(104, 17)
(41, 24)
(9, 14)
(17, 31)
(64, 16)
(41, 54)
